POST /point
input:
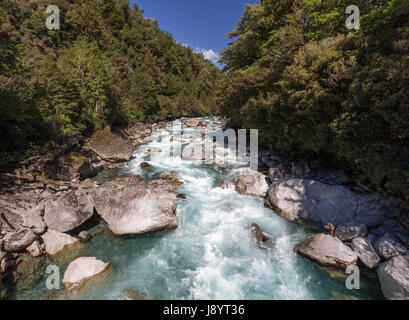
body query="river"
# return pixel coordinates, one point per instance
(212, 254)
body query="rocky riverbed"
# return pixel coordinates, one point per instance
(208, 230)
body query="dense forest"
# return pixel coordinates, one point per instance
(317, 90)
(106, 65)
(313, 88)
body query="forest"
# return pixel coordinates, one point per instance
(315, 89)
(107, 65)
(319, 91)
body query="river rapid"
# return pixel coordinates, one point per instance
(212, 254)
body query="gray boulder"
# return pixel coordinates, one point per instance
(314, 201)
(82, 270)
(21, 212)
(252, 184)
(349, 231)
(394, 278)
(56, 242)
(327, 251)
(68, 211)
(35, 249)
(321, 203)
(19, 240)
(389, 246)
(135, 206)
(111, 147)
(71, 166)
(366, 252)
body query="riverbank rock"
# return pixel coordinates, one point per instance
(21, 212)
(327, 251)
(84, 270)
(135, 206)
(389, 246)
(254, 184)
(320, 203)
(18, 240)
(111, 147)
(366, 252)
(68, 211)
(394, 278)
(71, 166)
(35, 249)
(56, 242)
(349, 231)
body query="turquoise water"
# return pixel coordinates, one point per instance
(211, 255)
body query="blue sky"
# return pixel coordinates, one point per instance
(200, 24)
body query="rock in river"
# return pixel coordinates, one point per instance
(327, 251)
(82, 270)
(68, 211)
(389, 246)
(254, 184)
(111, 147)
(135, 206)
(394, 278)
(56, 242)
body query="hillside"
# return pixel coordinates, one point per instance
(106, 65)
(317, 90)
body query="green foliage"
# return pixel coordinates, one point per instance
(107, 65)
(318, 90)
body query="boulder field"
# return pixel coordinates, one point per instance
(368, 227)
(46, 217)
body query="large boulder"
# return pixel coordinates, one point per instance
(69, 211)
(327, 251)
(365, 251)
(320, 203)
(394, 278)
(55, 242)
(135, 206)
(389, 246)
(254, 184)
(19, 240)
(84, 270)
(21, 212)
(71, 166)
(111, 147)
(349, 231)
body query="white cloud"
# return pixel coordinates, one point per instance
(209, 54)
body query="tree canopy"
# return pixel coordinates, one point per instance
(106, 65)
(318, 90)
